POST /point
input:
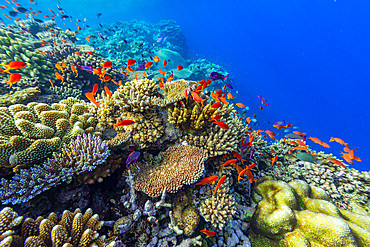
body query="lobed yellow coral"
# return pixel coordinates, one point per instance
(297, 214)
(33, 131)
(182, 165)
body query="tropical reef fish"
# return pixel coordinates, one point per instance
(123, 123)
(222, 179)
(208, 233)
(222, 125)
(179, 67)
(263, 101)
(294, 136)
(207, 180)
(340, 141)
(216, 76)
(13, 79)
(132, 158)
(90, 96)
(306, 157)
(13, 65)
(229, 162)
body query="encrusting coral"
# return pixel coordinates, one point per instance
(79, 157)
(182, 165)
(219, 208)
(31, 132)
(186, 216)
(73, 230)
(296, 214)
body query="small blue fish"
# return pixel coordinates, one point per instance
(141, 66)
(228, 85)
(132, 158)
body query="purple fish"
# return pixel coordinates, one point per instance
(141, 66)
(263, 101)
(252, 152)
(26, 30)
(100, 36)
(216, 76)
(83, 67)
(132, 158)
(228, 85)
(159, 39)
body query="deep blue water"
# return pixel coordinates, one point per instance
(309, 59)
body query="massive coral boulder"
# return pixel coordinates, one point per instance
(297, 214)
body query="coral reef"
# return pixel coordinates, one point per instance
(8, 220)
(297, 213)
(219, 208)
(23, 96)
(182, 165)
(16, 47)
(80, 156)
(74, 229)
(31, 132)
(185, 216)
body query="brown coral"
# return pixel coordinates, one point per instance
(182, 165)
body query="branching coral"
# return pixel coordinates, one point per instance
(81, 156)
(73, 230)
(30, 133)
(219, 208)
(182, 165)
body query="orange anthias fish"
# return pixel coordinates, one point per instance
(156, 59)
(74, 70)
(13, 65)
(208, 233)
(216, 117)
(222, 125)
(144, 74)
(229, 96)
(107, 64)
(130, 62)
(164, 63)
(216, 105)
(274, 160)
(279, 126)
(222, 179)
(59, 76)
(229, 162)
(340, 141)
(51, 82)
(197, 98)
(106, 89)
(337, 162)
(271, 134)
(238, 156)
(59, 67)
(13, 79)
(169, 78)
(64, 65)
(95, 89)
(90, 96)
(161, 72)
(207, 180)
(241, 105)
(123, 123)
(148, 64)
(179, 67)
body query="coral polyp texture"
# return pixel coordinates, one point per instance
(31, 132)
(182, 165)
(73, 230)
(80, 156)
(297, 214)
(8, 220)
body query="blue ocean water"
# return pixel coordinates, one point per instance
(309, 59)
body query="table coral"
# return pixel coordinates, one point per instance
(33, 131)
(182, 165)
(299, 214)
(80, 156)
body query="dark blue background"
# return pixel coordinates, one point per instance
(309, 59)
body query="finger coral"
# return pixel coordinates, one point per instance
(31, 132)
(219, 208)
(80, 156)
(296, 213)
(8, 220)
(182, 165)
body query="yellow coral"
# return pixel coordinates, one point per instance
(296, 213)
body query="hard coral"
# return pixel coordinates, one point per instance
(186, 216)
(299, 214)
(182, 165)
(8, 220)
(81, 156)
(219, 208)
(31, 132)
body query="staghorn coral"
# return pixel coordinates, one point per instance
(16, 47)
(182, 165)
(80, 156)
(31, 132)
(73, 230)
(218, 141)
(185, 216)
(298, 214)
(219, 208)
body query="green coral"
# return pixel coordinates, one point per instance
(297, 214)
(18, 48)
(23, 96)
(31, 132)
